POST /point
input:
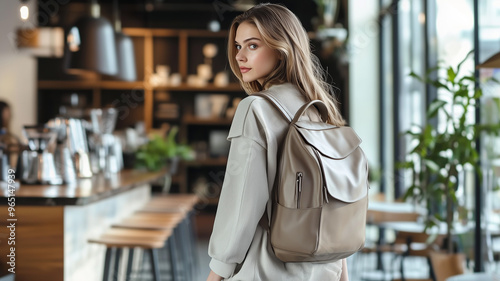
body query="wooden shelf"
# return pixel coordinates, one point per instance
(160, 32)
(208, 88)
(193, 120)
(89, 85)
(121, 85)
(207, 162)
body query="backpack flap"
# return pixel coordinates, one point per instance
(343, 162)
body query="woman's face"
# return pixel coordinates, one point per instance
(255, 59)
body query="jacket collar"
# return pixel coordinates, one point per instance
(289, 96)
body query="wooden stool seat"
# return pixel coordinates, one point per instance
(158, 221)
(164, 209)
(171, 206)
(164, 223)
(142, 225)
(189, 199)
(129, 242)
(120, 238)
(172, 218)
(161, 235)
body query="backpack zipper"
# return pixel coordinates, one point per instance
(325, 192)
(298, 187)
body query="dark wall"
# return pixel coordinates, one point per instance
(185, 14)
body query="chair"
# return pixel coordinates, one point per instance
(417, 244)
(172, 212)
(175, 204)
(120, 239)
(445, 265)
(380, 246)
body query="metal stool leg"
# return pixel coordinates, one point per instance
(192, 232)
(183, 250)
(173, 258)
(118, 254)
(187, 246)
(107, 262)
(129, 264)
(154, 264)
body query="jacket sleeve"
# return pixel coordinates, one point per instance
(242, 203)
(245, 190)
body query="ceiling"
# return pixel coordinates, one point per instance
(187, 14)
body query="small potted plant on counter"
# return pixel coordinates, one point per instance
(161, 151)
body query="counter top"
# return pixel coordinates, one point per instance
(83, 192)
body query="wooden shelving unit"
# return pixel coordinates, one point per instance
(181, 50)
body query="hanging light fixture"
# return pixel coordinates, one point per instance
(91, 45)
(24, 11)
(124, 50)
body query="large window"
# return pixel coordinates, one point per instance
(414, 37)
(403, 98)
(489, 44)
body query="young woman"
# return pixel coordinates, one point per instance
(268, 51)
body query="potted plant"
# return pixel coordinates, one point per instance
(162, 150)
(442, 152)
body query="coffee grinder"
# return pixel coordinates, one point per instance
(38, 159)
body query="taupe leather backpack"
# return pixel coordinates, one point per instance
(320, 196)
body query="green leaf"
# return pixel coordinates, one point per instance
(467, 78)
(414, 75)
(432, 69)
(431, 165)
(438, 84)
(434, 108)
(478, 93)
(451, 74)
(464, 60)
(494, 80)
(461, 93)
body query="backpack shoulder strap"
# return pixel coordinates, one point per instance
(276, 103)
(320, 105)
(294, 118)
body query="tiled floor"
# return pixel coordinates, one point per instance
(203, 259)
(360, 266)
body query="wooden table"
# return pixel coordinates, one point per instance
(387, 208)
(478, 276)
(53, 224)
(394, 207)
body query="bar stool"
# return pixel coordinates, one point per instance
(179, 203)
(119, 239)
(162, 235)
(162, 222)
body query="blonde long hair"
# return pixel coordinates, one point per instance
(281, 30)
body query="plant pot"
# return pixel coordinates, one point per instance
(129, 160)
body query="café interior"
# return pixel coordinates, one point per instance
(115, 114)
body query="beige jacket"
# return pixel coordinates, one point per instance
(239, 245)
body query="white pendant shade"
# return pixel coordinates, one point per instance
(126, 59)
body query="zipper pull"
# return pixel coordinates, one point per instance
(298, 182)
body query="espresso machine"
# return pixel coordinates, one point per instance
(37, 160)
(106, 150)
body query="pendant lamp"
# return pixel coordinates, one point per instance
(91, 45)
(124, 50)
(492, 62)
